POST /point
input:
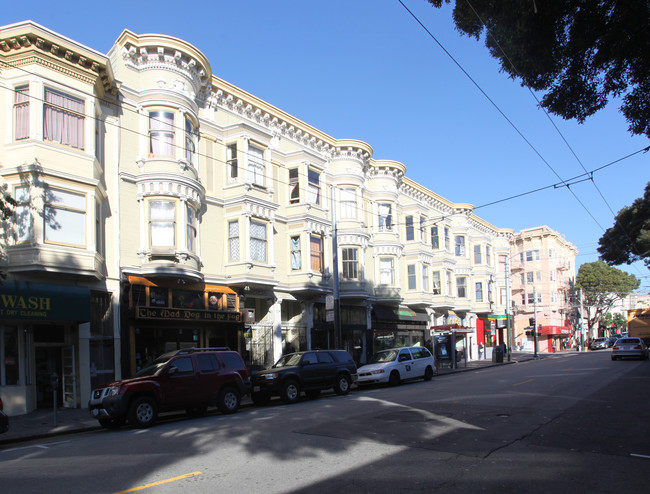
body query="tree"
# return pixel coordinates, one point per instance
(582, 53)
(629, 239)
(7, 204)
(602, 286)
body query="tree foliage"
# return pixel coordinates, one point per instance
(629, 239)
(582, 53)
(603, 286)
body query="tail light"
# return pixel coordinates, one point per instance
(244, 373)
(638, 347)
(614, 347)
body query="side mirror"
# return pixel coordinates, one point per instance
(304, 362)
(172, 370)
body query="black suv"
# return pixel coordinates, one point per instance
(191, 379)
(310, 371)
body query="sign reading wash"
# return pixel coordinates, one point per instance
(44, 302)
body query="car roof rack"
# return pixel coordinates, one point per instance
(183, 351)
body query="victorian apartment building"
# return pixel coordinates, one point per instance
(160, 207)
(543, 277)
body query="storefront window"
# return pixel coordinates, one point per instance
(9, 356)
(186, 299)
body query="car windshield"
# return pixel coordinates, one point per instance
(385, 356)
(288, 360)
(153, 368)
(628, 341)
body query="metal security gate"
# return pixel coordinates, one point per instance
(69, 377)
(261, 346)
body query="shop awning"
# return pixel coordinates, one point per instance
(44, 302)
(447, 328)
(140, 280)
(400, 313)
(556, 330)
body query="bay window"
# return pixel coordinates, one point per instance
(459, 241)
(435, 240)
(410, 271)
(350, 257)
(296, 255)
(256, 165)
(316, 252)
(479, 291)
(425, 278)
(191, 228)
(477, 254)
(410, 233)
(258, 241)
(63, 119)
(233, 240)
(161, 133)
(21, 112)
(162, 224)
(190, 141)
(294, 186)
(64, 217)
(231, 162)
(437, 283)
(461, 286)
(385, 217)
(386, 271)
(348, 202)
(23, 214)
(313, 192)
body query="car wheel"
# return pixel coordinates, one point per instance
(111, 423)
(342, 386)
(229, 400)
(260, 399)
(290, 391)
(143, 412)
(312, 394)
(428, 374)
(394, 379)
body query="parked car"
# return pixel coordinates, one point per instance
(611, 341)
(311, 371)
(190, 379)
(4, 420)
(598, 344)
(629, 347)
(398, 364)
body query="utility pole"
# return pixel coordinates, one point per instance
(335, 276)
(508, 308)
(535, 329)
(582, 329)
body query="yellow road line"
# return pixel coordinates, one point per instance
(159, 483)
(523, 382)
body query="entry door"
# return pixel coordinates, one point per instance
(69, 377)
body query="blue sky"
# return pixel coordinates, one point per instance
(365, 69)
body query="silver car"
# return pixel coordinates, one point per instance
(629, 347)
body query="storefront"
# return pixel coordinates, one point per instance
(162, 316)
(44, 331)
(354, 331)
(554, 338)
(401, 326)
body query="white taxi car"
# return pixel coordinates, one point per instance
(398, 364)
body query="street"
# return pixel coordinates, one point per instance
(575, 421)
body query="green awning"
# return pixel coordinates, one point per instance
(44, 302)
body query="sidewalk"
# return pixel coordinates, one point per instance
(40, 423)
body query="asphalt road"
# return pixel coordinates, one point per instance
(577, 422)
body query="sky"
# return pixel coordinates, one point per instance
(367, 70)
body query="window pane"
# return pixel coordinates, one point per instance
(63, 119)
(233, 240)
(258, 241)
(21, 105)
(316, 250)
(348, 203)
(295, 253)
(256, 165)
(65, 226)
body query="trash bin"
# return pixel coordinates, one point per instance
(497, 355)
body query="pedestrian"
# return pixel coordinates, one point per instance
(553, 345)
(480, 351)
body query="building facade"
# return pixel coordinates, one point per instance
(543, 276)
(160, 207)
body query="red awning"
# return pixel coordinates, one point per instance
(556, 330)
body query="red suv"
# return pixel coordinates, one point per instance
(190, 379)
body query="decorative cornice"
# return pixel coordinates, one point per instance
(65, 60)
(173, 186)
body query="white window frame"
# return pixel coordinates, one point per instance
(437, 283)
(258, 241)
(256, 167)
(294, 185)
(313, 186)
(350, 263)
(411, 277)
(385, 216)
(461, 286)
(23, 220)
(71, 111)
(231, 162)
(21, 112)
(190, 231)
(387, 271)
(161, 133)
(234, 250)
(316, 258)
(478, 291)
(295, 253)
(67, 207)
(348, 202)
(459, 245)
(162, 227)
